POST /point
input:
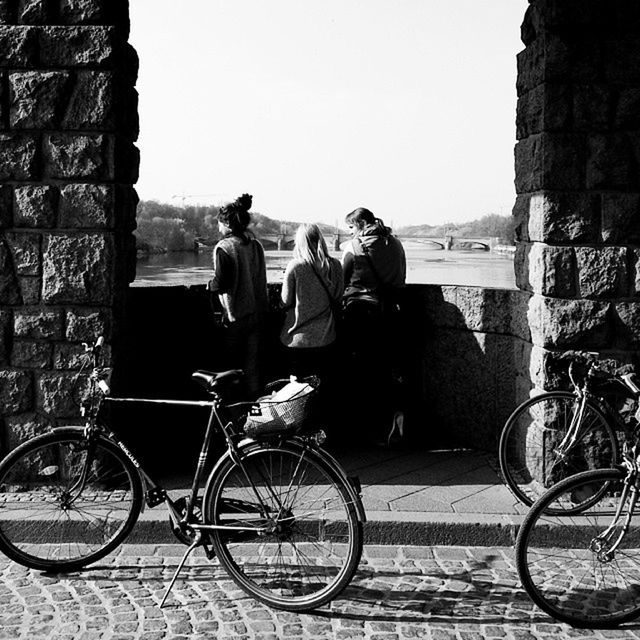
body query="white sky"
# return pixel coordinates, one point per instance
(315, 107)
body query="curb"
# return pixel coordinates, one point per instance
(383, 528)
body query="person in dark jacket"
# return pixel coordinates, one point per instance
(240, 281)
(372, 244)
(375, 267)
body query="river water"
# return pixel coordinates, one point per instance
(424, 266)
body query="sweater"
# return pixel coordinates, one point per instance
(309, 321)
(240, 278)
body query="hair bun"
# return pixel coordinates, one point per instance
(244, 202)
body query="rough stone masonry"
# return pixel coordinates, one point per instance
(578, 180)
(68, 121)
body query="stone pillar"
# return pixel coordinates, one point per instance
(578, 180)
(68, 120)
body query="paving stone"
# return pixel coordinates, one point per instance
(439, 593)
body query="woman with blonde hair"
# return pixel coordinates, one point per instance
(311, 291)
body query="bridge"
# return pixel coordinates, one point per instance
(335, 241)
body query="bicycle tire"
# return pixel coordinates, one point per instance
(315, 545)
(563, 567)
(42, 525)
(529, 467)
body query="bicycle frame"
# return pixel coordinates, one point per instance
(571, 436)
(155, 493)
(193, 524)
(602, 544)
(186, 523)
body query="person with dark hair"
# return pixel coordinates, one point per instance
(240, 282)
(373, 257)
(375, 268)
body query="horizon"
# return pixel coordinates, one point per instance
(389, 223)
(405, 107)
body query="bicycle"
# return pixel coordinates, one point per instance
(557, 434)
(582, 565)
(278, 511)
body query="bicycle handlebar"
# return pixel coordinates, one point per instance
(631, 383)
(624, 373)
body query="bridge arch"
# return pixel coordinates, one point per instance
(471, 244)
(418, 240)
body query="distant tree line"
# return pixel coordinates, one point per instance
(491, 225)
(167, 227)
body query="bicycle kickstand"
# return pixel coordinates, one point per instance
(192, 546)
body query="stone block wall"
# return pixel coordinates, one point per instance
(578, 180)
(68, 121)
(465, 361)
(469, 353)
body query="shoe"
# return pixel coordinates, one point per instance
(396, 433)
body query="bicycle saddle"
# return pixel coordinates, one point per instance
(211, 379)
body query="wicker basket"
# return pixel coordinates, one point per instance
(270, 415)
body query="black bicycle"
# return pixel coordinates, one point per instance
(578, 548)
(557, 434)
(278, 512)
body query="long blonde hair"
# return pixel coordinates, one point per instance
(311, 247)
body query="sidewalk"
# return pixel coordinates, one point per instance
(449, 497)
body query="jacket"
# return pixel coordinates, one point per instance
(386, 253)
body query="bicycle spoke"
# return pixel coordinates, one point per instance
(296, 560)
(582, 568)
(60, 508)
(542, 443)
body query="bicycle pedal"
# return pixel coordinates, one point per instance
(155, 497)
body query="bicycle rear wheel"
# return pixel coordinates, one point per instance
(301, 540)
(66, 501)
(535, 453)
(566, 562)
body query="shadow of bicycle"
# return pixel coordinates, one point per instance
(477, 595)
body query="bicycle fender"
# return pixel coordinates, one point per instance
(350, 483)
(70, 429)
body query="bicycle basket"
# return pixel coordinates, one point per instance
(286, 408)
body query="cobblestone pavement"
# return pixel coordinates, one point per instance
(399, 592)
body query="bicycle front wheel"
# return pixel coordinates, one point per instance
(541, 443)
(298, 540)
(571, 565)
(66, 501)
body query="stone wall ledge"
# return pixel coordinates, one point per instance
(465, 308)
(466, 353)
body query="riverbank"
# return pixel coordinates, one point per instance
(504, 249)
